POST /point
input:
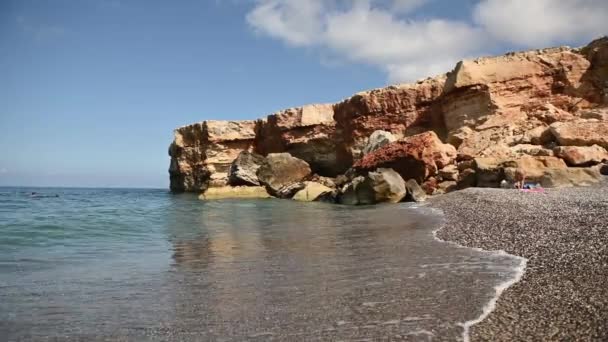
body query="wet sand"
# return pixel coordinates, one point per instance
(563, 294)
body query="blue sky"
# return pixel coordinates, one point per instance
(92, 90)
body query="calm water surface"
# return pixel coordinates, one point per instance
(101, 264)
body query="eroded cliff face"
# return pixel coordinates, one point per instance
(490, 104)
(403, 110)
(201, 153)
(503, 108)
(307, 133)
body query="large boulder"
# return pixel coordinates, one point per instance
(417, 157)
(581, 155)
(581, 133)
(234, 192)
(555, 178)
(313, 191)
(281, 170)
(244, 168)
(387, 185)
(382, 185)
(414, 192)
(547, 171)
(533, 168)
(490, 172)
(377, 140)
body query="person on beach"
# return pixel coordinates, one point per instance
(520, 178)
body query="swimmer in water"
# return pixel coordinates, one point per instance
(37, 195)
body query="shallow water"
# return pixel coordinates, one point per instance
(101, 264)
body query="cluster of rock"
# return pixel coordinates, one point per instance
(282, 175)
(541, 112)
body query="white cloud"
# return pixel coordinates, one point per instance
(540, 23)
(370, 32)
(379, 32)
(406, 50)
(298, 23)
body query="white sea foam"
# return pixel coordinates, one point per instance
(491, 305)
(498, 289)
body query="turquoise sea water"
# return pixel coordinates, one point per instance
(127, 264)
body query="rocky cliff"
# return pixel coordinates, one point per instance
(541, 112)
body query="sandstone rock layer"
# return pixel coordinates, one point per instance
(202, 153)
(417, 157)
(480, 119)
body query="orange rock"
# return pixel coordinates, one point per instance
(581, 155)
(402, 110)
(280, 170)
(488, 107)
(581, 133)
(201, 153)
(417, 157)
(307, 133)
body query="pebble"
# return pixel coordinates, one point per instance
(563, 295)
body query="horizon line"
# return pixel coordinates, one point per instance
(83, 187)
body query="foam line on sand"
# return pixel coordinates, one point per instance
(498, 289)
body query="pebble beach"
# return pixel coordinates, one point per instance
(563, 234)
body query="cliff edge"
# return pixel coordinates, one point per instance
(543, 113)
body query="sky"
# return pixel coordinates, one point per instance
(92, 89)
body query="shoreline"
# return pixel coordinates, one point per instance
(561, 237)
(490, 306)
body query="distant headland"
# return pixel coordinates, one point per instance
(539, 117)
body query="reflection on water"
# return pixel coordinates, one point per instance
(240, 270)
(285, 270)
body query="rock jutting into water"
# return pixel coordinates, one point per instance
(541, 112)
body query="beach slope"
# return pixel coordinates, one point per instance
(563, 233)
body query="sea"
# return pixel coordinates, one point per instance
(82, 264)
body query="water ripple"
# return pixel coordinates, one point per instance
(103, 264)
